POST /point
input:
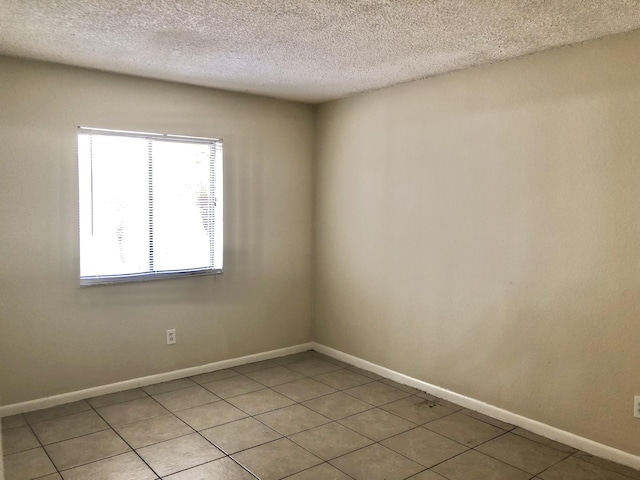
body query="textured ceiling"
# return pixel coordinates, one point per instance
(309, 50)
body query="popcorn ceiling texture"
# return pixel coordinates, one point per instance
(308, 50)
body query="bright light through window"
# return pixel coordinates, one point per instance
(150, 206)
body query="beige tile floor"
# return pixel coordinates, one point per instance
(301, 417)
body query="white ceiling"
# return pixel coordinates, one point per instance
(308, 50)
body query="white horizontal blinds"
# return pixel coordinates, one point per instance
(217, 221)
(183, 220)
(148, 205)
(113, 208)
(211, 204)
(151, 203)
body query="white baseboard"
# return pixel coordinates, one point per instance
(55, 400)
(562, 436)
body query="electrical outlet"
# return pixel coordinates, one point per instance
(171, 336)
(636, 406)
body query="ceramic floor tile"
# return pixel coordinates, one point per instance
(185, 398)
(223, 469)
(304, 389)
(337, 405)
(330, 441)
(233, 386)
(366, 373)
(179, 454)
(376, 393)
(13, 421)
(213, 376)
(210, 415)
(377, 424)
(545, 441)
(255, 367)
(464, 429)
(127, 466)
(424, 447)
(118, 397)
(131, 411)
(575, 469)
(313, 366)
(376, 463)
(522, 453)
(628, 471)
(261, 401)
(86, 449)
(489, 420)
(276, 460)
(324, 471)
(401, 386)
(342, 379)
(26, 465)
(293, 419)
(168, 386)
(240, 435)
(70, 426)
(296, 357)
(473, 465)
(153, 430)
(417, 410)
(18, 439)
(82, 446)
(440, 401)
(274, 376)
(329, 359)
(427, 475)
(57, 412)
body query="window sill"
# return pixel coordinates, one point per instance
(144, 277)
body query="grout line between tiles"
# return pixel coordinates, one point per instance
(508, 432)
(576, 453)
(320, 464)
(383, 446)
(554, 464)
(127, 443)
(44, 449)
(481, 453)
(242, 466)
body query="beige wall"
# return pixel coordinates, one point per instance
(58, 337)
(481, 231)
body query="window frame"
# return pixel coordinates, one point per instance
(216, 188)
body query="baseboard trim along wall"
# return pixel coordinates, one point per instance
(553, 433)
(55, 400)
(575, 441)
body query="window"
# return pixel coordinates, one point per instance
(150, 206)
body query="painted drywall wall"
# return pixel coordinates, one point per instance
(58, 337)
(480, 231)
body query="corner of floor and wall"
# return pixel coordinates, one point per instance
(475, 233)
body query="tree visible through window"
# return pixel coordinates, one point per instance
(150, 205)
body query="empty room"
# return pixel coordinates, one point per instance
(320, 240)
